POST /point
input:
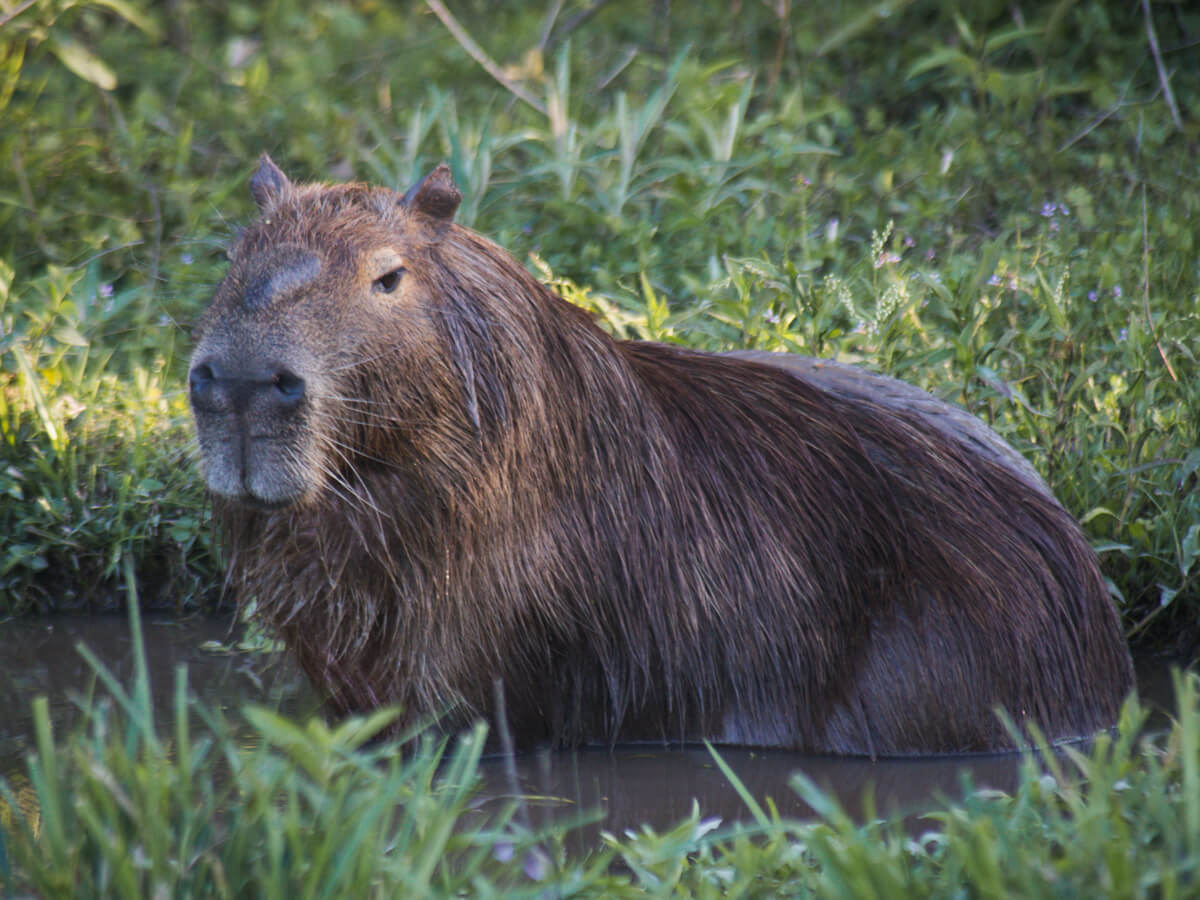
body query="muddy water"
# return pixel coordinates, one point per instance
(632, 785)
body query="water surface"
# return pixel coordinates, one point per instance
(631, 784)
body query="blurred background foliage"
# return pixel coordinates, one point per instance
(992, 200)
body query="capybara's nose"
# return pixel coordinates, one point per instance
(215, 388)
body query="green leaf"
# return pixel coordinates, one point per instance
(352, 733)
(944, 57)
(148, 486)
(1012, 391)
(133, 16)
(1095, 512)
(1190, 464)
(308, 751)
(1004, 38)
(862, 23)
(69, 334)
(82, 62)
(964, 30)
(1007, 86)
(1083, 205)
(6, 277)
(743, 792)
(1190, 549)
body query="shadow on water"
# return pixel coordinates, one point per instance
(632, 785)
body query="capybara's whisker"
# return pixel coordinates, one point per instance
(362, 493)
(364, 418)
(347, 452)
(356, 401)
(432, 475)
(367, 360)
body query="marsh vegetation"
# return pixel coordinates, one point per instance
(994, 201)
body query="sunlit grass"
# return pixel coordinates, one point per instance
(94, 431)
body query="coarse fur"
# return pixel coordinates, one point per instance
(432, 473)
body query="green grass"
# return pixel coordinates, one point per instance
(997, 210)
(123, 808)
(993, 201)
(260, 805)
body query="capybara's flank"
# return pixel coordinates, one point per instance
(432, 473)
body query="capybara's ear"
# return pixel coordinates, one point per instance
(268, 184)
(435, 195)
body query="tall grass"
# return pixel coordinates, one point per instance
(260, 805)
(130, 807)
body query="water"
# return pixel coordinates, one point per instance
(631, 784)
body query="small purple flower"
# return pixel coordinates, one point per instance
(1013, 284)
(536, 865)
(1117, 291)
(929, 255)
(803, 182)
(908, 241)
(994, 281)
(1093, 296)
(186, 259)
(1048, 210)
(1062, 208)
(1122, 335)
(106, 290)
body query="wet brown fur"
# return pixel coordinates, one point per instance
(642, 542)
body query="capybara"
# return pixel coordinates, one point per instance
(447, 488)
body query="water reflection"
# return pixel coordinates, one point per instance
(39, 658)
(657, 787)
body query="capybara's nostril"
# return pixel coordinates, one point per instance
(200, 381)
(289, 388)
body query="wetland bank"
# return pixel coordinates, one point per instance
(993, 202)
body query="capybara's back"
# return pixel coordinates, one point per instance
(434, 476)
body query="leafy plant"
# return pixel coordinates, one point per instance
(271, 808)
(992, 203)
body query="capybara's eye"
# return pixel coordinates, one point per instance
(387, 283)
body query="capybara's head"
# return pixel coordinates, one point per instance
(330, 286)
